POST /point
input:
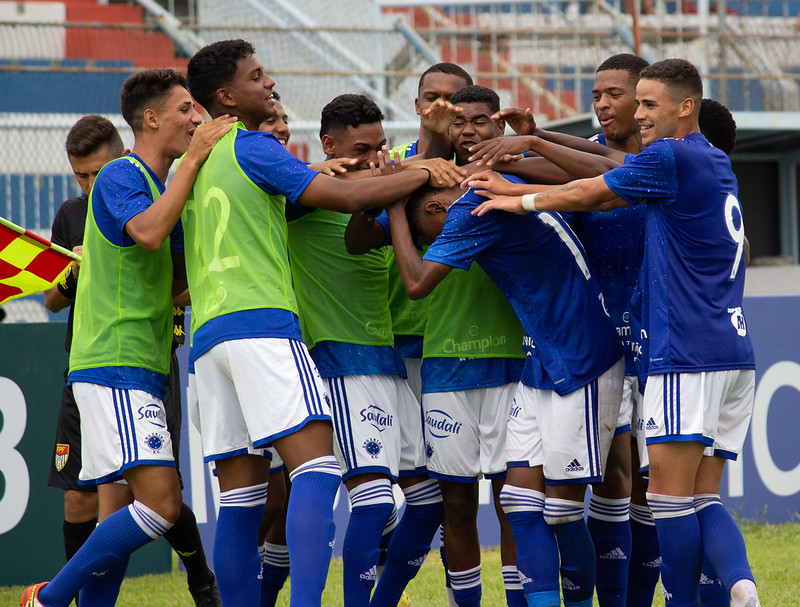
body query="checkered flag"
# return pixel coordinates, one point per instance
(28, 263)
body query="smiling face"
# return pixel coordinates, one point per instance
(249, 94)
(278, 125)
(472, 126)
(614, 103)
(362, 142)
(177, 121)
(659, 114)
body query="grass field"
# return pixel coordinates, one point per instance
(774, 552)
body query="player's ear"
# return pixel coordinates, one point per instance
(687, 107)
(501, 127)
(224, 98)
(433, 206)
(416, 105)
(150, 118)
(328, 145)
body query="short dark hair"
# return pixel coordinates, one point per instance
(717, 125)
(679, 76)
(476, 93)
(348, 110)
(446, 68)
(146, 89)
(415, 209)
(633, 64)
(91, 133)
(214, 66)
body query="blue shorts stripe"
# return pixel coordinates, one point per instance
(677, 392)
(344, 434)
(130, 419)
(310, 393)
(596, 457)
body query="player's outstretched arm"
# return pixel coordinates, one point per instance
(151, 227)
(579, 195)
(419, 276)
(334, 166)
(326, 192)
(436, 121)
(520, 120)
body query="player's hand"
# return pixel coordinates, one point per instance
(334, 166)
(518, 119)
(511, 204)
(389, 163)
(443, 173)
(439, 116)
(489, 182)
(76, 265)
(500, 149)
(206, 135)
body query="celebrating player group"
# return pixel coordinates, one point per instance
(544, 311)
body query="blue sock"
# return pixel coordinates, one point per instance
(609, 526)
(102, 590)
(537, 552)
(371, 505)
(310, 529)
(645, 562)
(236, 560)
(722, 540)
(112, 541)
(411, 541)
(515, 597)
(386, 539)
(467, 587)
(712, 590)
(274, 571)
(565, 518)
(447, 582)
(681, 547)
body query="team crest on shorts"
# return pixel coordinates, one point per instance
(62, 455)
(373, 447)
(428, 450)
(154, 442)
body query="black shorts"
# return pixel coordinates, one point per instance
(66, 463)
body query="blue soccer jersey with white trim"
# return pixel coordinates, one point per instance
(693, 267)
(540, 266)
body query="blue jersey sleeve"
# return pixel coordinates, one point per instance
(464, 236)
(273, 169)
(120, 193)
(650, 176)
(176, 238)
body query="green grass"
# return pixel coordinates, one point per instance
(774, 552)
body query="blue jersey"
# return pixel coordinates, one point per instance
(614, 244)
(540, 266)
(693, 268)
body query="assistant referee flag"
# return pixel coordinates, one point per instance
(28, 263)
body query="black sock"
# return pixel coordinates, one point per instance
(184, 538)
(75, 534)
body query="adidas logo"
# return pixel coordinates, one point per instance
(524, 579)
(574, 466)
(417, 562)
(704, 579)
(655, 563)
(568, 584)
(615, 554)
(651, 424)
(667, 595)
(370, 575)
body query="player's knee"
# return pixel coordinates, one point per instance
(80, 506)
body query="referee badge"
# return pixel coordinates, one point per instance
(62, 455)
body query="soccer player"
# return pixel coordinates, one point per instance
(245, 326)
(122, 333)
(698, 357)
(92, 142)
(344, 313)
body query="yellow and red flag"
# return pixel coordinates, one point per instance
(28, 263)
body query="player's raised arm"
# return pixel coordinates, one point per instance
(419, 276)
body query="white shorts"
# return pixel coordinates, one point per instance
(630, 388)
(569, 435)
(275, 462)
(253, 391)
(120, 429)
(369, 415)
(465, 432)
(712, 407)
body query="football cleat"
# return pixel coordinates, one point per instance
(405, 600)
(207, 595)
(30, 598)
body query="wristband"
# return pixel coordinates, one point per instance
(68, 285)
(528, 203)
(428, 171)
